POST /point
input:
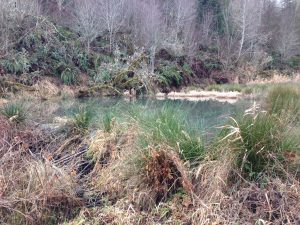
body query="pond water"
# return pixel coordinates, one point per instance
(203, 116)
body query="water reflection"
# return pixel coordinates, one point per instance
(201, 115)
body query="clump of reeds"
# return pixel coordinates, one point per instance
(284, 101)
(170, 127)
(108, 121)
(259, 142)
(82, 120)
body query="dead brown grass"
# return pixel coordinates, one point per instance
(160, 188)
(111, 152)
(127, 184)
(46, 89)
(277, 78)
(5, 129)
(224, 197)
(165, 173)
(33, 190)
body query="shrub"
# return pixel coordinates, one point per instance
(102, 74)
(106, 71)
(169, 75)
(284, 101)
(213, 48)
(14, 112)
(68, 76)
(187, 68)
(82, 59)
(277, 61)
(16, 64)
(212, 64)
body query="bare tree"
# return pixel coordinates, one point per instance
(228, 40)
(87, 21)
(190, 34)
(180, 17)
(23, 8)
(206, 28)
(12, 14)
(243, 25)
(112, 15)
(134, 22)
(289, 38)
(152, 28)
(60, 4)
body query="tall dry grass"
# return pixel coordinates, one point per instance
(33, 189)
(132, 171)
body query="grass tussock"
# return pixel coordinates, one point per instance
(169, 126)
(14, 112)
(108, 121)
(33, 192)
(284, 101)
(82, 120)
(33, 189)
(259, 142)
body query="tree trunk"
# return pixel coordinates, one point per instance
(88, 46)
(243, 30)
(152, 58)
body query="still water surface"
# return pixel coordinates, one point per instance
(203, 116)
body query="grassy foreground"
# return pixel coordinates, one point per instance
(153, 168)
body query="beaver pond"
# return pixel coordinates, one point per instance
(203, 116)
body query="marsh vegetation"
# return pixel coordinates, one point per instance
(149, 112)
(129, 165)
